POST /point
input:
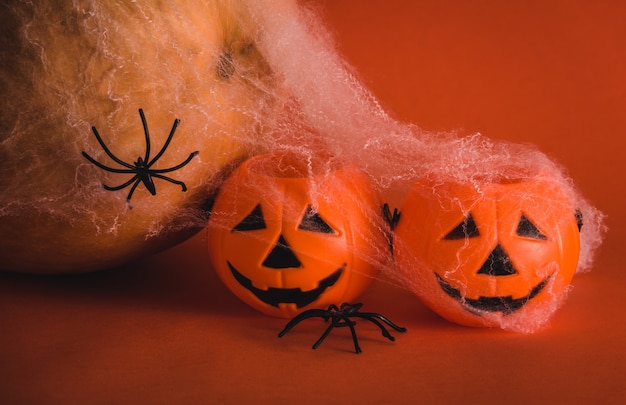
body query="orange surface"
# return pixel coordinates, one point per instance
(166, 331)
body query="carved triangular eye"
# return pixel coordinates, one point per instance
(527, 229)
(252, 222)
(313, 222)
(466, 229)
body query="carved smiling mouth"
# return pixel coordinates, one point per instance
(274, 296)
(506, 304)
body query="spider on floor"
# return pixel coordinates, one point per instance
(141, 169)
(340, 317)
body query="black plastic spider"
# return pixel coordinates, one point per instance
(141, 169)
(392, 219)
(340, 317)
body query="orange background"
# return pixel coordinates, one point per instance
(551, 73)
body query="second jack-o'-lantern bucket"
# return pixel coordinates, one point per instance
(489, 253)
(290, 232)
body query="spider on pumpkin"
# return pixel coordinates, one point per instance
(392, 219)
(340, 317)
(141, 169)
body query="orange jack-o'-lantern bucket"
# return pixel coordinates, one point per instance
(489, 253)
(289, 232)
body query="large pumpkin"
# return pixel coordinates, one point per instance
(66, 66)
(288, 233)
(488, 253)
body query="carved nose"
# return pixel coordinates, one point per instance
(281, 256)
(498, 264)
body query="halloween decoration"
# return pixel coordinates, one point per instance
(142, 168)
(288, 233)
(69, 65)
(340, 317)
(239, 76)
(491, 253)
(392, 219)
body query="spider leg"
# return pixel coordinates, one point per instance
(324, 335)
(107, 151)
(384, 330)
(165, 145)
(178, 166)
(180, 183)
(351, 324)
(146, 133)
(130, 193)
(392, 219)
(368, 315)
(107, 168)
(121, 186)
(311, 313)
